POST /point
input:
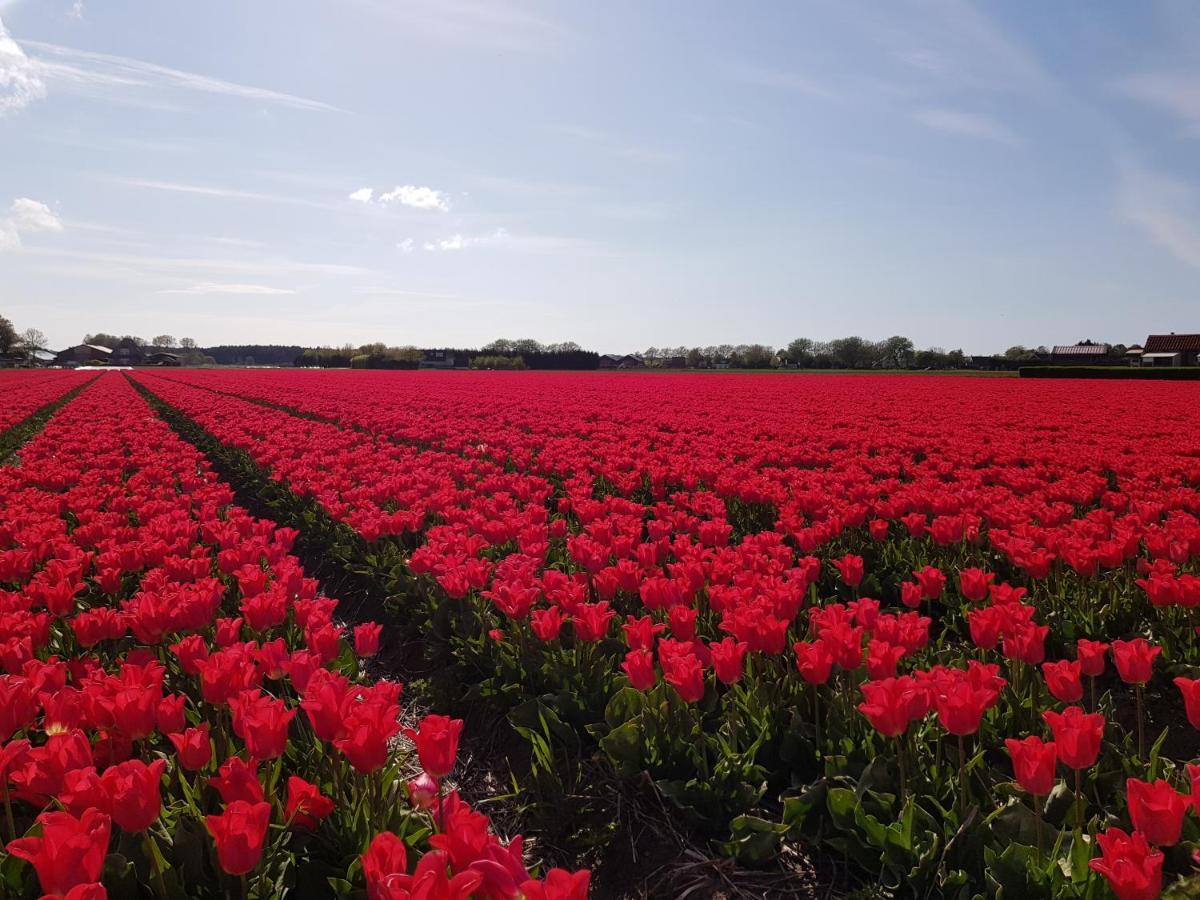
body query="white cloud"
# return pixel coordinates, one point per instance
(406, 245)
(26, 216)
(462, 242)
(406, 195)
(1176, 93)
(32, 216)
(416, 197)
(211, 287)
(488, 24)
(964, 124)
(121, 78)
(20, 83)
(75, 13)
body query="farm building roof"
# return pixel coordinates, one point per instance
(1173, 343)
(1081, 350)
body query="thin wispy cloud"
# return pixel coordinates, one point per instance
(200, 267)
(779, 79)
(220, 192)
(1164, 209)
(410, 195)
(20, 82)
(484, 24)
(102, 75)
(211, 287)
(614, 145)
(1175, 93)
(968, 125)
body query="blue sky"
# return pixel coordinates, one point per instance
(621, 174)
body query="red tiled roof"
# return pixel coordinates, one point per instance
(1172, 343)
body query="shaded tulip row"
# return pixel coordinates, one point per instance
(181, 710)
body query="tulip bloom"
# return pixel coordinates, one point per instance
(685, 673)
(931, 580)
(70, 851)
(1190, 688)
(639, 669)
(973, 583)
(134, 796)
(193, 747)
(238, 780)
(887, 704)
(1157, 810)
(1091, 656)
(813, 660)
(306, 805)
(437, 743)
(850, 568)
(366, 639)
(1133, 869)
(1077, 734)
(1033, 763)
(386, 856)
(559, 884)
(239, 833)
(1135, 660)
(727, 659)
(1063, 680)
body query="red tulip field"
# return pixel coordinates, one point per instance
(880, 636)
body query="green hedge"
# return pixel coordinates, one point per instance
(1153, 373)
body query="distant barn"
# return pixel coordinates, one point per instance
(82, 354)
(1085, 353)
(1171, 350)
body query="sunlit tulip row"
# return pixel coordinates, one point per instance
(944, 628)
(24, 392)
(183, 713)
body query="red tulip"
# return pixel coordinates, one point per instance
(1033, 763)
(386, 856)
(1190, 688)
(1135, 660)
(262, 722)
(437, 743)
(306, 806)
(239, 833)
(814, 661)
(366, 639)
(685, 673)
(134, 793)
(193, 747)
(1063, 679)
(1077, 734)
(1091, 656)
(931, 580)
(639, 668)
(70, 851)
(973, 583)
(887, 704)
(1132, 867)
(1157, 810)
(727, 657)
(850, 568)
(910, 594)
(546, 623)
(238, 780)
(559, 884)
(882, 659)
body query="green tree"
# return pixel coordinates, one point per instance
(163, 341)
(8, 335)
(896, 352)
